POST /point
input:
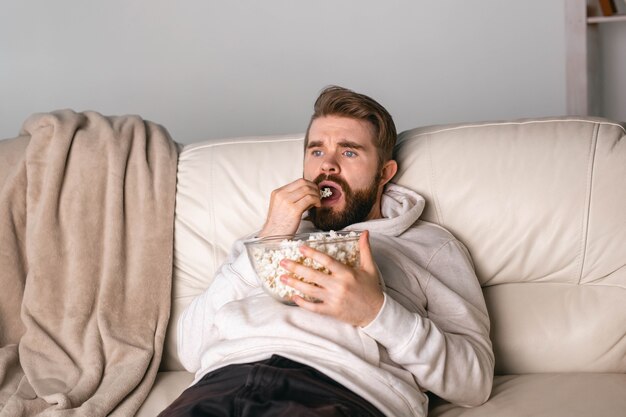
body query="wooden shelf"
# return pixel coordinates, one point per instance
(582, 68)
(606, 19)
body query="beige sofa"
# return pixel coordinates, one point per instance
(541, 205)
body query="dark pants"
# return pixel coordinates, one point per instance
(269, 388)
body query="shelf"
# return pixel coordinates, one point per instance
(607, 19)
(582, 68)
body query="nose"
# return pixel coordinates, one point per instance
(330, 165)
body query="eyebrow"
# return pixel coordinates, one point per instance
(343, 144)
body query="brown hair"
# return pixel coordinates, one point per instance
(339, 101)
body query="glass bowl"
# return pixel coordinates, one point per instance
(266, 253)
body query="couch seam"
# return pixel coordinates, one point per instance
(242, 141)
(474, 126)
(209, 195)
(587, 208)
(433, 184)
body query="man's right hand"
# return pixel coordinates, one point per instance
(287, 204)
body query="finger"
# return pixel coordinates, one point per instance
(307, 288)
(307, 273)
(291, 192)
(327, 261)
(308, 200)
(366, 257)
(313, 306)
(298, 184)
(304, 197)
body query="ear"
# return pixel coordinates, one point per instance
(389, 170)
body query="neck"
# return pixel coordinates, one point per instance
(375, 213)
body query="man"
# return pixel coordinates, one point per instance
(411, 318)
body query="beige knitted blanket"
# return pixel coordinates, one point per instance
(86, 219)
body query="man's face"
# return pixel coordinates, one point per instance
(341, 155)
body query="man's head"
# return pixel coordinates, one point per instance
(348, 148)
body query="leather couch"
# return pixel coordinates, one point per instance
(541, 206)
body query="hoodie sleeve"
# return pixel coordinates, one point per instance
(196, 331)
(449, 351)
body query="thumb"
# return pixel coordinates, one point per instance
(366, 258)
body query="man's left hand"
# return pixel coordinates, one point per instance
(352, 295)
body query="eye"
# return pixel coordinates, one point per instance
(316, 152)
(349, 154)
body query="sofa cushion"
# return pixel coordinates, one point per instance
(167, 387)
(548, 327)
(535, 200)
(547, 395)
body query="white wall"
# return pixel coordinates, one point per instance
(209, 69)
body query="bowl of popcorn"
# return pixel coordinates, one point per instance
(266, 253)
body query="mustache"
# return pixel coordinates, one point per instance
(334, 178)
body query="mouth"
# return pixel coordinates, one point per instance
(335, 192)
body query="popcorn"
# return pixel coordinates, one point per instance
(343, 246)
(325, 192)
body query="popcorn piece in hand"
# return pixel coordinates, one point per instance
(325, 192)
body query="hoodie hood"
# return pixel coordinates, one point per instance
(400, 208)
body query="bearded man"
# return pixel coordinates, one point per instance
(410, 318)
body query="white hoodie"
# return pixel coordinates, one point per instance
(432, 333)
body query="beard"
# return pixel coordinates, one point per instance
(358, 205)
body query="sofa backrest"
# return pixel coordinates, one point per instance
(540, 204)
(222, 194)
